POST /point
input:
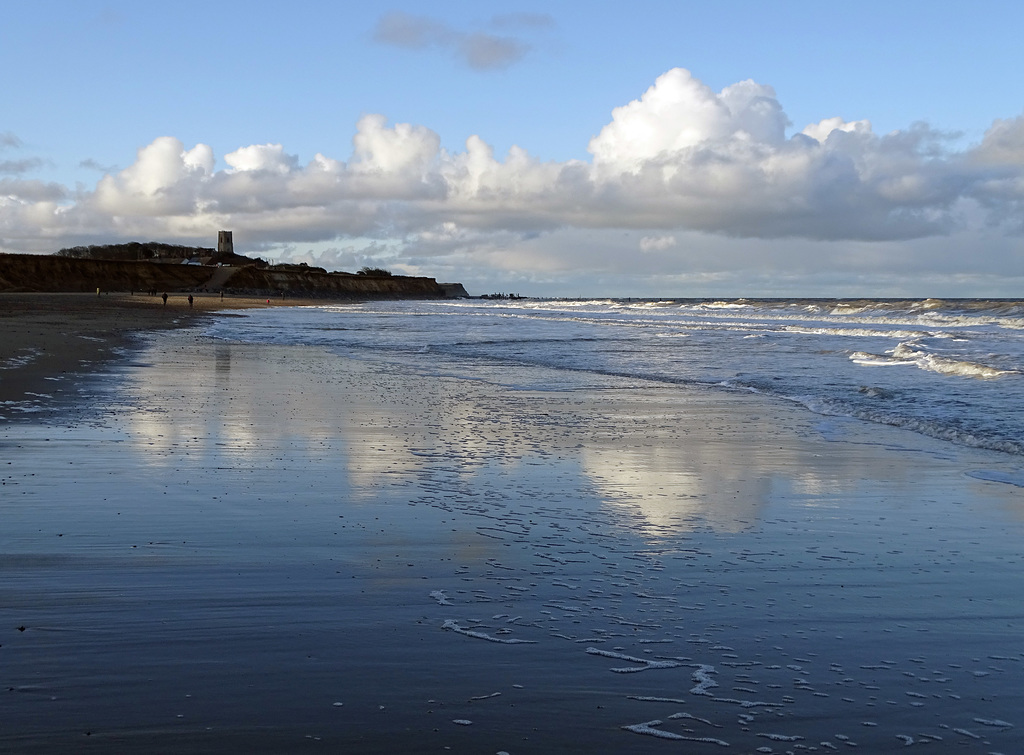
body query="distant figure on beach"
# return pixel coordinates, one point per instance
(164, 297)
(97, 290)
(190, 300)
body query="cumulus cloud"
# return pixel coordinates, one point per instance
(257, 157)
(479, 50)
(31, 190)
(166, 179)
(821, 130)
(683, 154)
(673, 172)
(404, 151)
(1003, 144)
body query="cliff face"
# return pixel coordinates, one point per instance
(454, 290)
(313, 283)
(30, 272)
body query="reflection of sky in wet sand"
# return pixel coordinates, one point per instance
(251, 405)
(670, 497)
(634, 560)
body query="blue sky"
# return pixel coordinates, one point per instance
(659, 148)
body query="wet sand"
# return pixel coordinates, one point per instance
(46, 338)
(219, 547)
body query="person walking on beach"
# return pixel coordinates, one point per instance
(164, 297)
(190, 300)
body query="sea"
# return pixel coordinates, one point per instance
(951, 369)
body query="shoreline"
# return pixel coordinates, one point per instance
(46, 337)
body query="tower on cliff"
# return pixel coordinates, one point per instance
(224, 243)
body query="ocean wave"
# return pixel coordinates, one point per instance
(941, 431)
(723, 305)
(945, 365)
(879, 360)
(908, 354)
(937, 325)
(862, 332)
(938, 429)
(548, 303)
(945, 429)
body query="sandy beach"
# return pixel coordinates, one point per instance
(211, 546)
(47, 336)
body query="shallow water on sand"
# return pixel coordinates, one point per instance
(948, 369)
(268, 548)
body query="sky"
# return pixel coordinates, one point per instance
(542, 148)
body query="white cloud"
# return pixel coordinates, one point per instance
(821, 130)
(257, 157)
(1003, 144)
(676, 113)
(164, 180)
(404, 150)
(31, 190)
(675, 173)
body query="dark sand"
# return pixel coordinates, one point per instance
(47, 337)
(236, 548)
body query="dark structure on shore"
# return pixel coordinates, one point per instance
(225, 244)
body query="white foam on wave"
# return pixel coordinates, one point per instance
(994, 722)
(704, 681)
(906, 354)
(780, 737)
(860, 332)
(944, 365)
(453, 626)
(878, 360)
(647, 728)
(441, 598)
(723, 305)
(652, 699)
(645, 663)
